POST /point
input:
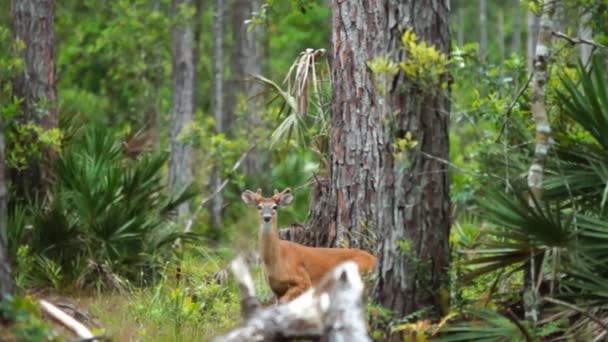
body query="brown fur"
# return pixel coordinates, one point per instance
(293, 268)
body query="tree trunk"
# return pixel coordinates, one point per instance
(516, 40)
(543, 136)
(585, 32)
(6, 282)
(460, 29)
(247, 59)
(152, 114)
(180, 159)
(414, 208)
(532, 24)
(34, 25)
(218, 106)
(501, 37)
(483, 30)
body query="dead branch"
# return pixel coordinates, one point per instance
(512, 105)
(597, 320)
(68, 321)
(577, 40)
(333, 310)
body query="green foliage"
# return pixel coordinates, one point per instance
(25, 321)
(107, 217)
(423, 62)
(566, 235)
(198, 301)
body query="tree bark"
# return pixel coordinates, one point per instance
(483, 29)
(182, 109)
(215, 216)
(34, 25)
(532, 27)
(6, 282)
(543, 143)
(414, 208)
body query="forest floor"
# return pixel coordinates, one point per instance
(196, 308)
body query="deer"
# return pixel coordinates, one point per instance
(292, 268)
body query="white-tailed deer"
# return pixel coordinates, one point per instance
(293, 268)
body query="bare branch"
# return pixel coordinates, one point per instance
(577, 40)
(512, 105)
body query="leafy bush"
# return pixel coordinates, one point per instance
(564, 237)
(106, 219)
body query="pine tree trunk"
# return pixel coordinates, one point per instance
(516, 40)
(151, 116)
(460, 28)
(180, 159)
(6, 282)
(246, 59)
(218, 106)
(500, 29)
(414, 207)
(483, 29)
(34, 25)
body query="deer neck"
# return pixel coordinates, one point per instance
(269, 245)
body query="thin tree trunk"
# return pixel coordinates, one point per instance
(543, 136)
(6, 282)
(414, 207)
(218, 105)
(516, 40)
(460, 29)
(483, 29)
(585, 32)
(34, 25)
(151, 117)
(247, 59)
(180, 160)
(532, 27)
(501, 37)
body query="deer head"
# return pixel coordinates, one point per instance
(267, 207)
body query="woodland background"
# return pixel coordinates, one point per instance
(435, 134)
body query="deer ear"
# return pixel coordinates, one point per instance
(285, 198)
(250, 198)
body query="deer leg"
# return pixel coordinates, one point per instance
(303, 284)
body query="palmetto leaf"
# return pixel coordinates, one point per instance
(520, 232)
(588, 104)
(486, 325)
(108, 215)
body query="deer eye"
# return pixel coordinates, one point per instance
(275, 207)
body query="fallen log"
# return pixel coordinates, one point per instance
(332, 311)
(68, 321)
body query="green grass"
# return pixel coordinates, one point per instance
(195, 308)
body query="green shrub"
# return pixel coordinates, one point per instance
(107, 219)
